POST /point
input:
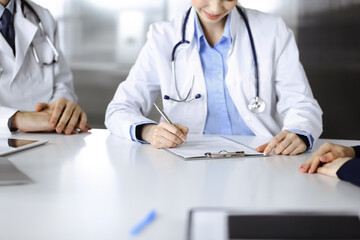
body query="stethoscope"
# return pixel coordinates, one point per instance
(256, 104)
(46, 36)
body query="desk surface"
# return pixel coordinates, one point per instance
(98, 186)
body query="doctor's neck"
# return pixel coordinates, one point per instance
(212, 15)
(4, 2)
(213, 33)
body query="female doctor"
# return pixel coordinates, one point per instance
(235, 71)
(36, 86)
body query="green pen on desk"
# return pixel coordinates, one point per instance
(164, 115)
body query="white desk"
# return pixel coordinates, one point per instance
(98, 186)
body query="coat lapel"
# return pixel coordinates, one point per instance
(24, 35)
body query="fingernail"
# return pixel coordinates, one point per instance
(52, 124)
(82, 126)
(59, 129)
(68, 131)
(322, 158)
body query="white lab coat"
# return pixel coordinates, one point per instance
(23, 82)
(283, 83)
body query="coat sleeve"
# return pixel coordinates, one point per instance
(5, 114)
(350, 171)
(357, 151)
(134, 97)
(295, 99)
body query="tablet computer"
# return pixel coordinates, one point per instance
(11, 145)
(224, 224)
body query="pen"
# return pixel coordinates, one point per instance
(163, 115)
(149, 218)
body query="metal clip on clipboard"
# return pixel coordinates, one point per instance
(225, 154)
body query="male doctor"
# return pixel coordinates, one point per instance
(36, 85)
(214, 66)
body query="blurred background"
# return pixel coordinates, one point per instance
(101, 40)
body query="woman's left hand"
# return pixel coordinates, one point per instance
(285, 143)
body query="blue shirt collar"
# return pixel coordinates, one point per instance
(10, 6)
(199, 33)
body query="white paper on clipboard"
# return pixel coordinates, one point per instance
(197, 145)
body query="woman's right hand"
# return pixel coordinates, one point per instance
(327, 152)
(164, 135)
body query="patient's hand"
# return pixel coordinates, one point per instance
(330, 168)
(327, 152)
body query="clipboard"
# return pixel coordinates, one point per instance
(201, 146)
(225, 154)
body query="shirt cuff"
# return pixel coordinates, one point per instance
(349, 171)
(133, 131)
(357, 151)
(5, 114)
(9, 125)
(306, 134)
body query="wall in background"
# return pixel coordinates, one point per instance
(102, 39)
(329, 43)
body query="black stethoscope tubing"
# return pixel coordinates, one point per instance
(183, 40)
(252, 48)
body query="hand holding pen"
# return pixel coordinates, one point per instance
(165, 134)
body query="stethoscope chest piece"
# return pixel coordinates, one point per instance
(256, 105)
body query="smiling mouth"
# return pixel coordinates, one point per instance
(211, 16)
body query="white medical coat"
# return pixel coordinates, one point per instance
(283, 83)
(23, 82)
